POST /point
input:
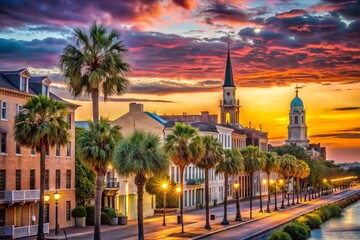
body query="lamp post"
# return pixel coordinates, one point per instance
(164, 186)
(274, 182)
(282, 193)
(238, 214)
(178, 190)
(261, 203)
(57, 198)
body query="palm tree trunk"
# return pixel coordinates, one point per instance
(251, 193)
(139, 181)
(182, 197)
(40, 234)
(298, 190)
(293, 193)
(95, 104)
(97, 215)
(268, 203)
(207, 210)
(225, 221)
(288, 191)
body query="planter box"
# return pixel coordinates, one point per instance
(80, 221)
(113, 221)
(122, 220)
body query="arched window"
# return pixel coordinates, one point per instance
(227, 117)
(302, 119)
(290, 120)
(296, 119)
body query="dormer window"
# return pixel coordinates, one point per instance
(45, 90)
(23, 84)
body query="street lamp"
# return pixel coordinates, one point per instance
(179, 191)
(282, 194)
(46, 198)
(274, 182)
(324, 181)
(238, 214)
(56, 198)
(164, 186)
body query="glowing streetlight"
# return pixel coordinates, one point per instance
(56, 198)
(238, 214)
(164, 186)
(46, 198)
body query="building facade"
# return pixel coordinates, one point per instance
(20, 167)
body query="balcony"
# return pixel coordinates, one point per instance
(112, 185)
(13, 232)
(194, 181)
(19, 196)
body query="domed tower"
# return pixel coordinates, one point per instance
(229, 105)
(297, 129)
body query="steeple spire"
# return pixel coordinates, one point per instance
(229, 80)
(297, 90)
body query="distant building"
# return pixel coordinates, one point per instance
(20, 166)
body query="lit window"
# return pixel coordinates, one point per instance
(227, 117)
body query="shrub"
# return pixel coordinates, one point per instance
(105, 218)
(297, 231)
(79, 212)
(90, 210)
(313, 220)
(280, 235)
(110, 211)
(301, 219)
(334, 209)
(325, 213)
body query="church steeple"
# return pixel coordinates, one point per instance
(229, 106)
(229, 80)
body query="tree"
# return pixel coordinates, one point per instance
(184, 147)
(253, 162)
(95, 64)
(231, 163)
(292, 149)
(153, 186)
(271, 164)
(213, 154)
(140, 155)
(302, 171)
(287, 168)
(97, 146)
(40, 125)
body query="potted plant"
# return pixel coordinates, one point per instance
(79, 213)
(122, 220)
(112, 214)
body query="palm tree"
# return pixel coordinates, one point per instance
(40, 125)
(302, 171)
(97, 146)
(271, 164)
(140, 155)
(184, 147)
(253, 162)
(231, 163)
(95, 64)
(213, 155)
(287, 168)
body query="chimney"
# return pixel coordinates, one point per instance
(136, 107)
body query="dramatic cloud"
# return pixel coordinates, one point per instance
(291, 14)
(346, 108)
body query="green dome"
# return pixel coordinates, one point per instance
(297, 102)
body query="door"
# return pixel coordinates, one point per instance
(2, 217)
(18, 216)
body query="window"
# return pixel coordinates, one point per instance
(58, 150)
(32, 179)
(3, 142)
(47, 151)
(46, 213)
(19, 108)
(47, 179)
(302, 119)
(172, 173)
(18, 179)
(45, 90)
(296, 119)
(23, 84)
(2, 179)
(68, 179)
(2, 217)
(18, 149)
(69, 120)
(186, 198)
(57, 179)
(33, 152)
(68, 210)
(68, 150)
(3, 110)
(227, 117)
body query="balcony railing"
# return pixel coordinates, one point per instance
(195, 181)
(112, 184)
(19, 232)
(19, 195)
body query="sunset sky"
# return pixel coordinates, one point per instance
(177, 51)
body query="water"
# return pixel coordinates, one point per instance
(346, 227)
